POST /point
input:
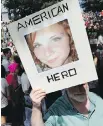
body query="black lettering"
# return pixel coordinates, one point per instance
(28, 23)
(20, 26)
(50, 78)
(36, 19)
(60, 9)
(49, 14)
(56, 77)
(64, 74)
(72, 72)
(65, 7)
(53, 13)
(43, 15)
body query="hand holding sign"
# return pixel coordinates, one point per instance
(37, 95)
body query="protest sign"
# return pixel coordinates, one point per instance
(54, 47)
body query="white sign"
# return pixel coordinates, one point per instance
(54, 47)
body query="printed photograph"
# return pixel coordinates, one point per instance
(52, 46)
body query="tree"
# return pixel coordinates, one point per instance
(94, 5)
(20, 8)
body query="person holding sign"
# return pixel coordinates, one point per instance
(77, 106)
(52, 46)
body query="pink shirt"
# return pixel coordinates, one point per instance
(12, 80)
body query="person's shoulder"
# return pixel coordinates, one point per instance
(95, 98)
(98, 102)
(4, 61)
(59, 106)
(53, 111)
(24, 77)
(94, 95)
(4, 82)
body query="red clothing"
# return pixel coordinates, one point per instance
(101, 13)
(12, 80)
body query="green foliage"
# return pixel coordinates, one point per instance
(20, 8)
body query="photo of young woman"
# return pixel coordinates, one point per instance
(52, 46)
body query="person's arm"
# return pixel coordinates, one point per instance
(37, 95)
(36, 119)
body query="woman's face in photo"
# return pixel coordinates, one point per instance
(51, 46)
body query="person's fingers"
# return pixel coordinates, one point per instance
(37, 96)
(41, 98)
(38, 92)
(37, 104)
(40, 95)
(35, 89)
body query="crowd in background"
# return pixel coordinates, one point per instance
(15, 86)
(94, 27)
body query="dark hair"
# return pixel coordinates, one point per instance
(6, 50)
(2, 41)
(17, 59)
(3, 72)
(21, 71)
